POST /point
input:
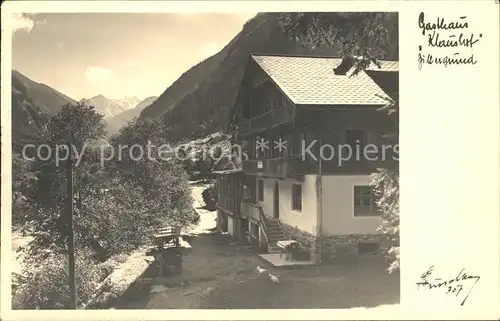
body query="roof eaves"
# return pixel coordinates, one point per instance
(276, 82)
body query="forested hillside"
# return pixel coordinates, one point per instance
(197, 104)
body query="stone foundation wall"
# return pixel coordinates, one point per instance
(306, 239)
(330, 247)
(341, 246)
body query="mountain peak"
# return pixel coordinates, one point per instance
(116, 122)
(110, 107)
(130, 98)
(97, 97)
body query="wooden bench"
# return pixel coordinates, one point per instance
(167, 235)
(167, 251)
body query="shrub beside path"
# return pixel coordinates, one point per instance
(129, 272)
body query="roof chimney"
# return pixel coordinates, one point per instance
(344, 66)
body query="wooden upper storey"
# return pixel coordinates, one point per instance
(278, 89)
(305, 99)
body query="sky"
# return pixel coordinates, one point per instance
(117, 54)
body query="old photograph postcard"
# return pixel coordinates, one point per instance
(192, 160)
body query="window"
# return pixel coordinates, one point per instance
(364, 202)
(296, 197)
(261, 190)
(355, 137)
(368, 247)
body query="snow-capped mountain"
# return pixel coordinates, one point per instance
(111, 107)
(116, 122)
(129, 102)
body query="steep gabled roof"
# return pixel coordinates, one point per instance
(385, 65)
(311, 80)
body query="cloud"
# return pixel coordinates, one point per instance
(98, 74)
(23, 21)
(209, 49)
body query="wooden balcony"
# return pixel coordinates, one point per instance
(250, 210)
(282, 167)
(228, 204)
(296, 168)
(266, 121)
(361, 168)
(229, 191)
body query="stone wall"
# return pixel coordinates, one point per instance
(308, 240)
(332, 247)
(344, 246)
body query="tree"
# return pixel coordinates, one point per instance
(158, 174)
(22, 179)
(368, 36)
(386, 186)
(78, 124)
(117, 203)
(43, 283)
(116, 206)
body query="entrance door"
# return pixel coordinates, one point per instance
(276, 200)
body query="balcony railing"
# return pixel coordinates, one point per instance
(265, 121)
(296, 167)
(353, 166)
(282, 167)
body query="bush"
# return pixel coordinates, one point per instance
(195, 218)
(386, 185)
(22, 179)
(210, 197)
(44, 285)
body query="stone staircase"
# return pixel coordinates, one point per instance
(274, 234)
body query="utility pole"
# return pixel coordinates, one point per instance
(70, 235)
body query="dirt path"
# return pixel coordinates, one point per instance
(207, 218)
(213, 260)
(219, 273)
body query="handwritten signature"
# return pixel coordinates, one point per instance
(453, 286)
